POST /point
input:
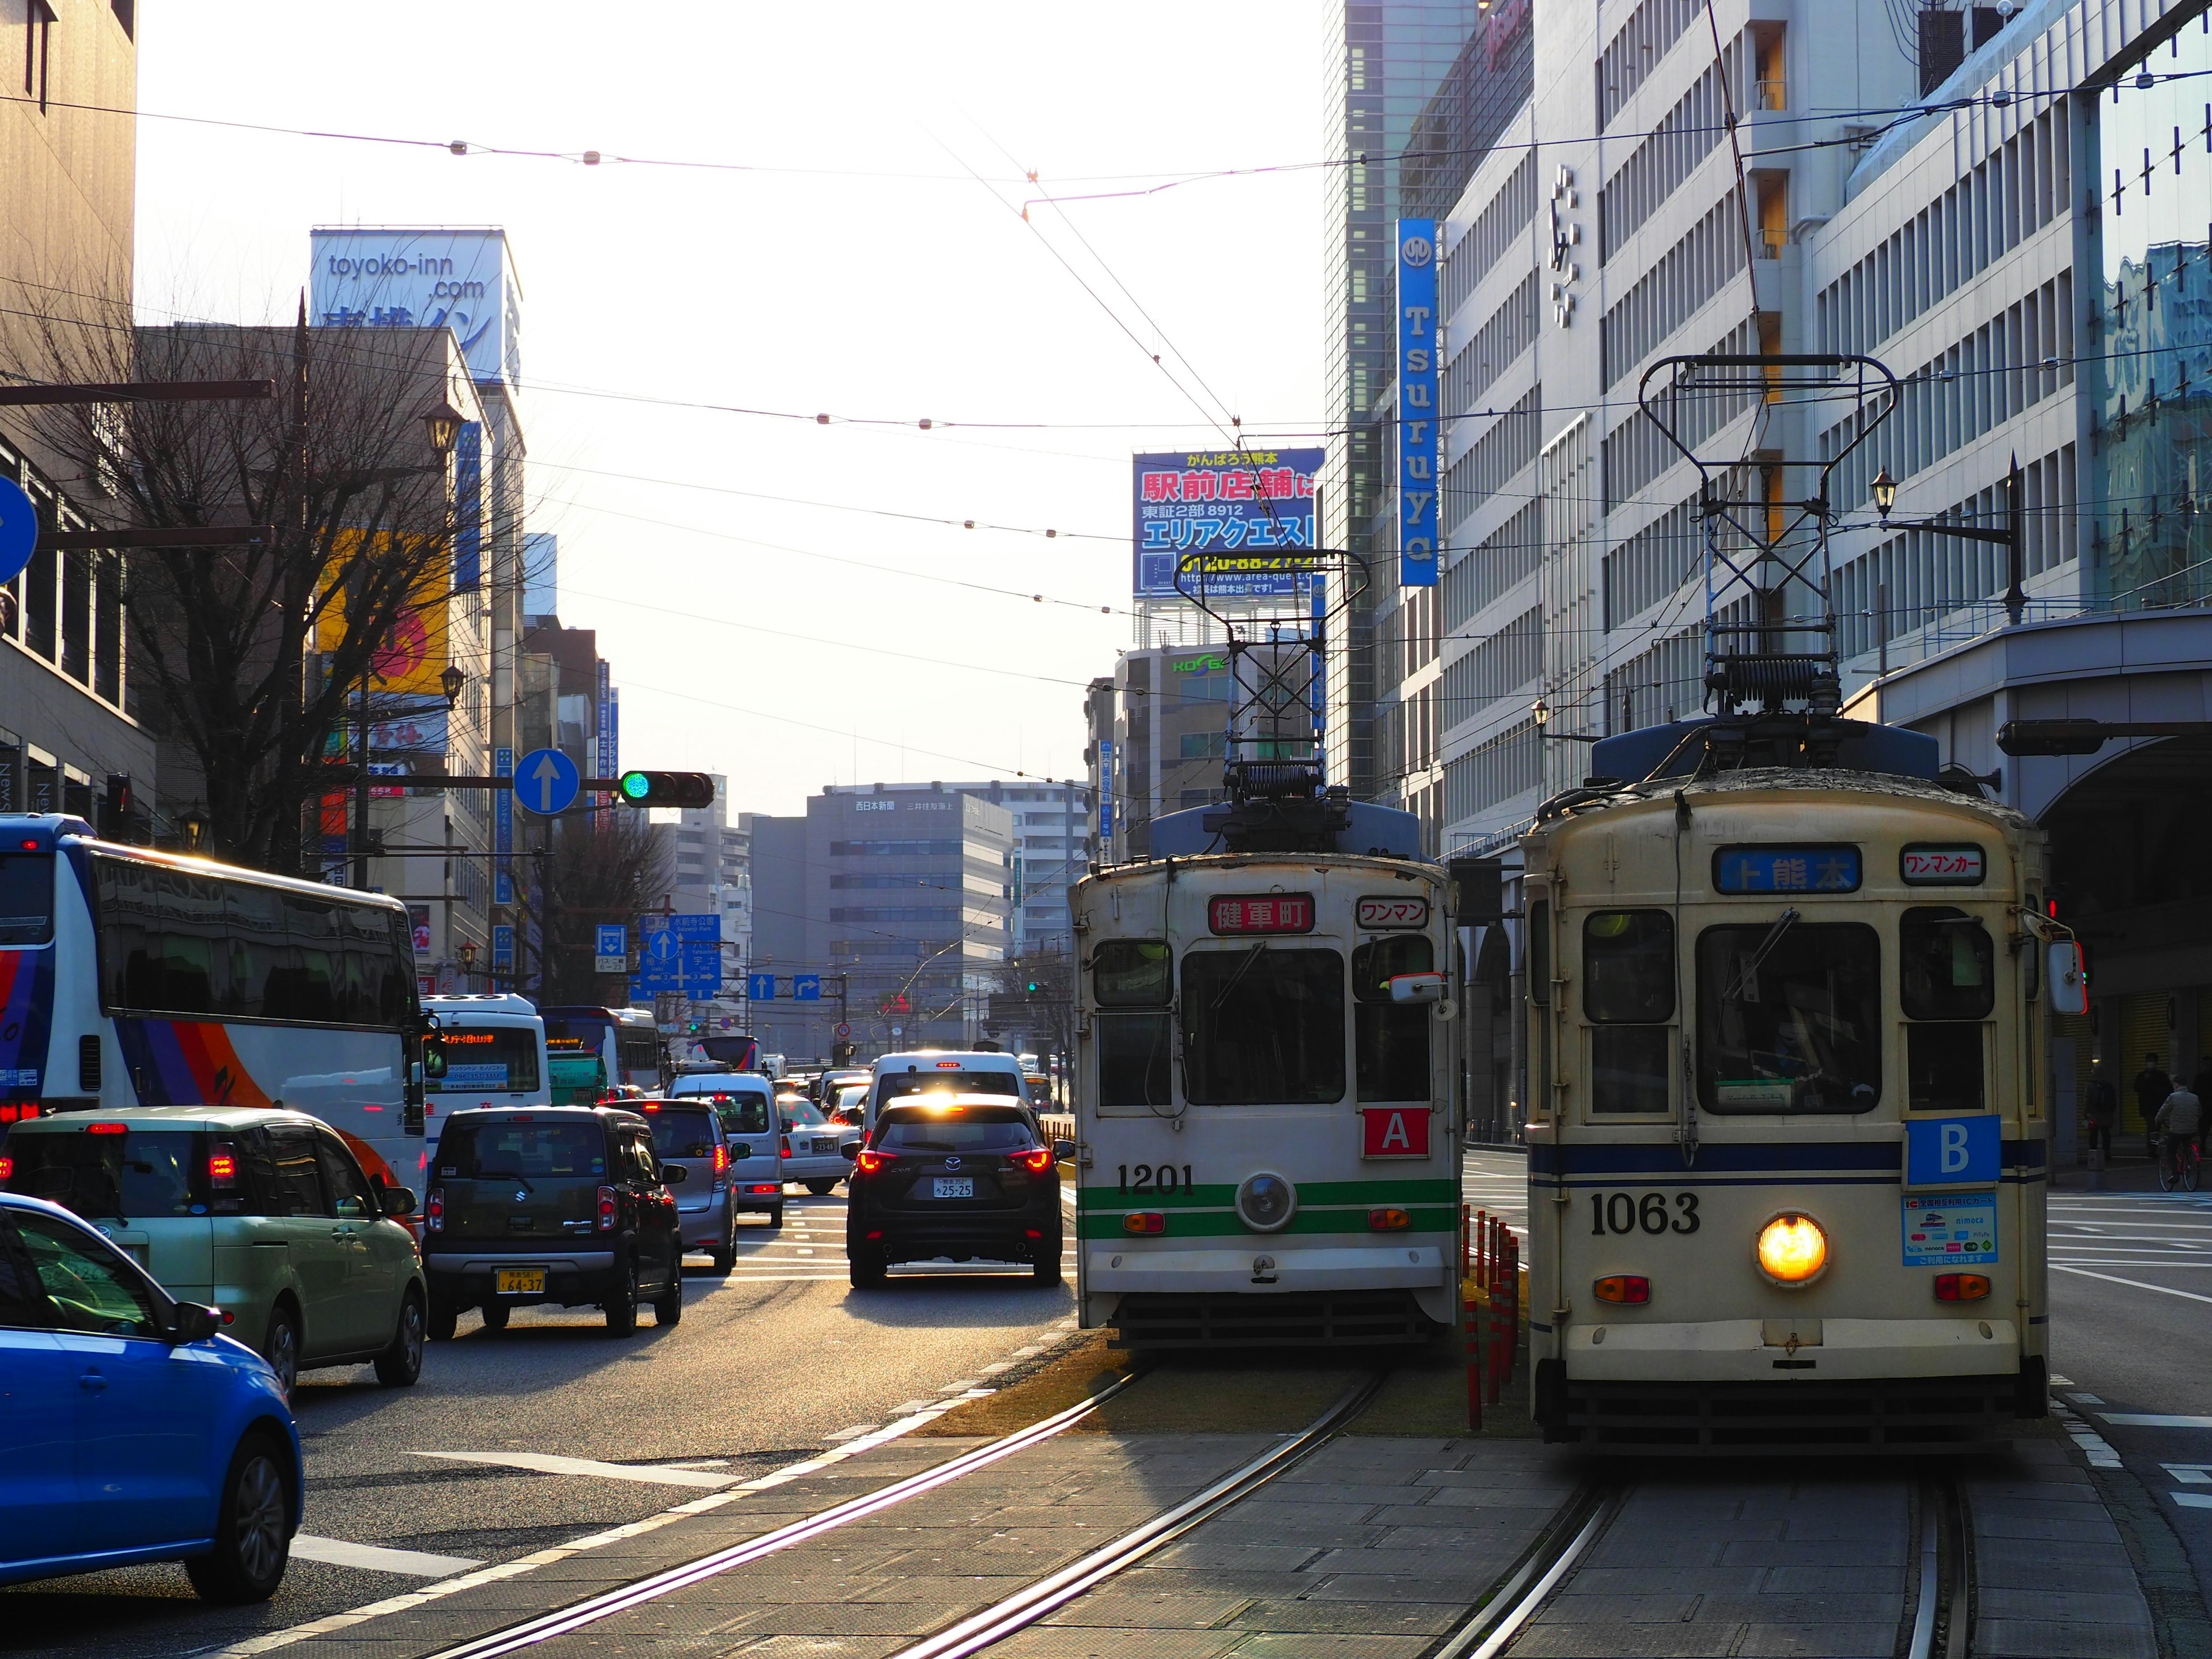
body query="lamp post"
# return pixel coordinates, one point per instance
(1541, 712)
(467, 952)
(1884, 490)
(193, 821)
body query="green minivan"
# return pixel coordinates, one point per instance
(264, 1214)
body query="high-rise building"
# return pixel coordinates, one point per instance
(1416, 90)
(1159, 742)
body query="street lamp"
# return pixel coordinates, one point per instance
(194, 821)
(1885, 494)
(1542, 711)
(468, 956)
(1884, 490)
(443, 425)
(451, 683)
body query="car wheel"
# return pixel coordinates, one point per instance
(253, 1527)
(494, 1315)
(281, 1347)
(668, 1308)
(775, 1215)
(398, 1365)
(820, 1187)
(621, 1303)
(725, 1254)
(445, 1319)
(1044, 1269)
(867, 1270)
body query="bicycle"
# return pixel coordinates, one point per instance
(2179, 1160)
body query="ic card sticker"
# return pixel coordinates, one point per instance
(1950, 1229)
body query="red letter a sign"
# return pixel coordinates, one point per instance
(1394, 1131)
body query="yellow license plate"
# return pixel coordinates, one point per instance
(521, 1281)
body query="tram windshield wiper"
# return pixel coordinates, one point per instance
(1746, 978)
(1237, 978)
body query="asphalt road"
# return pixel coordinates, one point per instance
(406, 1485)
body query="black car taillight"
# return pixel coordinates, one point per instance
(1036, 1162)
(433, 1211)
(607, 1209)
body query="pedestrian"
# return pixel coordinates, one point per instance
(2180, 1121)
(2104, 1110)
(2152, 1086)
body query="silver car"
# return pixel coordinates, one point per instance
(810, 1144)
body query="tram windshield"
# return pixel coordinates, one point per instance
(1392, 1038)
(1789, 1017)
(1948, 984)
(1263, 1026)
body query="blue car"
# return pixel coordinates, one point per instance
(130, 1430)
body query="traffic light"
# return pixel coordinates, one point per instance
(664, 789)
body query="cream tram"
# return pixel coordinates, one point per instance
(1785, 1107)
(1266, 1149)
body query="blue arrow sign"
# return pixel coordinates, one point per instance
(19, 530)
(807, 987)
(546, 782)
(760, 987)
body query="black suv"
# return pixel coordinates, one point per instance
(560, 1204)
(962, 1176)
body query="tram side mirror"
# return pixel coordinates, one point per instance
(2070, 978)
(1417, 987)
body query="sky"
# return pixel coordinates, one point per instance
(843, 258)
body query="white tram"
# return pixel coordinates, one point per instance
(1786, 1106)
(1266, 1151)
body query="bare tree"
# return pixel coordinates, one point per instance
(606, 867)
(252, 656)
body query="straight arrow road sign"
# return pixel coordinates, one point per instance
(546, 782)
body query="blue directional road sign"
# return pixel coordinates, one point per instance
(546, 782)
(614, 939)
(19, 530)
(659, 960)
(807, 987)
(760, 987)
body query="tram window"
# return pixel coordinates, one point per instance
(1392, 1040)
(1133, 1060)
(1263, 1026)
(1628, 1069)
(1948, 965)
(1944, 1066)
(1628, 967)
(1789, 1017)
(1131, 973)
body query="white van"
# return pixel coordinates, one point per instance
(488, 1050)
(956, 1070)
(745, 1101)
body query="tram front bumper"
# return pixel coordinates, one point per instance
(1264, 1265)
(1741, 1350)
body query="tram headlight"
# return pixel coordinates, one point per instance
(1265, 1202)
(1793, 1249)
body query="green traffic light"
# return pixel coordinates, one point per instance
(634, 786)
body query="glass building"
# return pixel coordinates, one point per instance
(1416, 91)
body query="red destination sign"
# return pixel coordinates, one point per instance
(1261, 913)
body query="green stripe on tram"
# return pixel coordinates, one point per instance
(1224, 1223)
(1202, 1197)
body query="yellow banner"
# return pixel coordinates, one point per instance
(410, 661)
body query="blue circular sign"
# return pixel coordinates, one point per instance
(545, 781)
(19, 530)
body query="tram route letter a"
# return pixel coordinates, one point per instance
(1394, 1132)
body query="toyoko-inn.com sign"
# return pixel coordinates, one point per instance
(1250, 515)
(380, 277)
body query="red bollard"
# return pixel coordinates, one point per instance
(1473, 1364)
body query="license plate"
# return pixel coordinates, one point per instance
(952, 1186)
(826, 1146)
(521, 1281)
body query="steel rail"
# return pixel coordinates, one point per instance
(1943, 1615)
(1056, 1590)
(562, 1622)
(1500, 1617)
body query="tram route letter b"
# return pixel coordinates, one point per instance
(1953, 1151)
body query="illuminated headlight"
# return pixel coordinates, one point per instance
(1793, 1250)
(1265, 1202)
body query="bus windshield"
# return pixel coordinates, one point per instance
(480, 1057)
(576, 1029)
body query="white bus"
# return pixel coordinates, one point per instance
(593, 1050)
(488, 1049)
(130, 977)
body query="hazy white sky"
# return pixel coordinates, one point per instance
(886, 282)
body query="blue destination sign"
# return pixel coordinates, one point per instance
(1815, 869)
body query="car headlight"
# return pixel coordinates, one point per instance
(1793, 1249)
(1265, 1202)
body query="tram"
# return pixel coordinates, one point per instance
(1786, 1113)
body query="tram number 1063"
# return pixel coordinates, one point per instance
(1629, 1212)
(1154, 1177)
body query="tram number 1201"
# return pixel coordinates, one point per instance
(1627, 1213)
(1154, 1177)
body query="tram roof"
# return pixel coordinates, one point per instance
(1795, 779)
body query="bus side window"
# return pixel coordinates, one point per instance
(1947, 982)
(1628, 996)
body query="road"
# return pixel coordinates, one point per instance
(406, 1486)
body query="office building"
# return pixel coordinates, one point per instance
(1158, 740)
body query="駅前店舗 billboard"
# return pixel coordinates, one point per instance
(1248, 515)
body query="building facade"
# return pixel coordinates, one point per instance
(1158, 741)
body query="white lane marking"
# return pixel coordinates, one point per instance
(912, 1406)
(375, 1558)
(2095, 1446)
(2137, 1283)
(2191, 1500)
(961, 1387)
(548, 1463)
(998, 1366)
(2085, 1400)
(2155, 1420)
(853, 1433)
(2189, 1474)
(700, 1463)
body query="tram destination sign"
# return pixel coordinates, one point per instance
(1926, 866)
(1260, 913)
(1786, 869)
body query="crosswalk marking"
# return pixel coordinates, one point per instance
(376, 1557)
(547, 1463)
